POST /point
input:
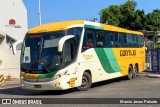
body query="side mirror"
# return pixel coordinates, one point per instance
(62, 41)
(17, 46)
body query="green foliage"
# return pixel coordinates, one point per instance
(153, 20)
(126, 16)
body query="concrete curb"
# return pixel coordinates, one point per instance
(154, 75)
(150, 74)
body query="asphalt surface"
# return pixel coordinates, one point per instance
(146, 85)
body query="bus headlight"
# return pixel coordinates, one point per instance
(59, 75)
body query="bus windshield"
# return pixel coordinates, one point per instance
(40, 52)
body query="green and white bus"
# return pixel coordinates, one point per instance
(77, 53)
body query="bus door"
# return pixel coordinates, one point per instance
(69, 56)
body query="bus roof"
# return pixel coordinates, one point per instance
(56, 26)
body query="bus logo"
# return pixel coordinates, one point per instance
(127, 52)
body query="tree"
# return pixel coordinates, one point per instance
(153, 20)
(140, 20)
(120, 15)
(111, 15)
(126, 16)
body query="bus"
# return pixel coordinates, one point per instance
(77, 53)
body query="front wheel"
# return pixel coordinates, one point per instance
(86, 82)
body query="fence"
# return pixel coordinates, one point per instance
(153, 60)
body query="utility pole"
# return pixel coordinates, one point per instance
(39, 12)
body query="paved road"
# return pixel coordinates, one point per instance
(141, 87)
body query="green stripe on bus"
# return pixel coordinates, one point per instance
(49, 75)
(94, 27)
(112, 60)
(108, 60)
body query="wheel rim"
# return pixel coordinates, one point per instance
(130, 73)
(135, 71)
(84, 81)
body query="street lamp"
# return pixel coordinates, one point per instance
(39, 11)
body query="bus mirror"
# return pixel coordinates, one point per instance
(17, 46)
(62, 41)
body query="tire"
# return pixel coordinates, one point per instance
(130, 73)
(135, 72)
(86, 82)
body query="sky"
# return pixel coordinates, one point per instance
(60, 10)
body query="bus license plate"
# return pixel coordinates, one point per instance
(37, 86)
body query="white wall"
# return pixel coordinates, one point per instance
(16, 10)
(11, 9)
(2, 15)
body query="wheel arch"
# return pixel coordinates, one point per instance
(89, 72)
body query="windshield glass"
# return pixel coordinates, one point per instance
(40, 51)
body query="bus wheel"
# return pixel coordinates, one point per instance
(135, 72)
(86, 82)
(130, 73)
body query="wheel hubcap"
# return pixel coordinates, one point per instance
(84, 81)
(135, 72)
(130, 73)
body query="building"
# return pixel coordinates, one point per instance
(152, 39)
(13, 26)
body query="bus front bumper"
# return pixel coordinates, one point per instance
(51, 85)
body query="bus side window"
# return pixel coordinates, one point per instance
(134, 41)
(100, 39)
(125, 41)
(121, 40)
(89, 40)
(107, 39)
(116, 40)
(111, 39)
(140, 41)
(77, 31)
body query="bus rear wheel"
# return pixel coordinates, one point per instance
(86, 82)
(135, 72)
(130, 73)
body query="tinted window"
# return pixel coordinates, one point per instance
(100, 38)
(75, 31)
(107, 39)
(121, 39)
(89, 40)
(140, 41)
(111, 38)
(117, 40)
(134, 41)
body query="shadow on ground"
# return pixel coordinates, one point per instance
(26, 92)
